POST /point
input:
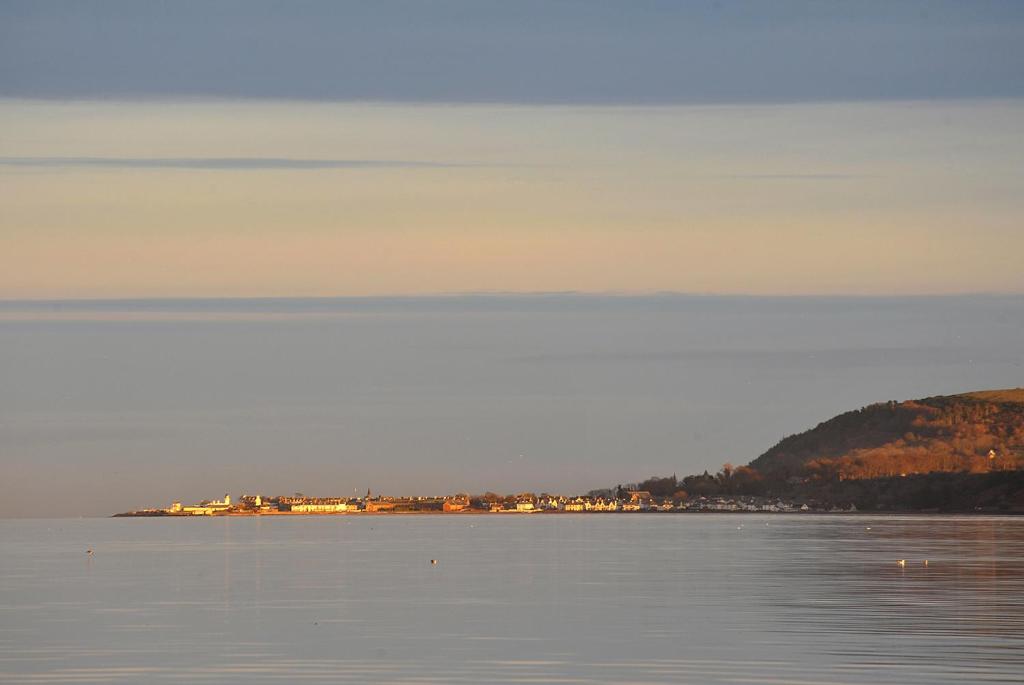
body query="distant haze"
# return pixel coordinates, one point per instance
(840, 182)
(113, 405)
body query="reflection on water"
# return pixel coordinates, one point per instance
(561, 599)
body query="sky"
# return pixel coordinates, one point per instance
(218, 149)
(154, 152)
(527, 52)
(108, 406)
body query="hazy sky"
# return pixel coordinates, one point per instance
(331, 148)
(107, 406)
(337, 149)
(269, 199)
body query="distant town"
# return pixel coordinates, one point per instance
(956, 453)
(609, 501)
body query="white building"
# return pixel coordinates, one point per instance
(313, 508)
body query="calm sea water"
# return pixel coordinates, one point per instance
(513, 599)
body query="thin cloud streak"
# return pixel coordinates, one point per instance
(800, 177)
(223, 163)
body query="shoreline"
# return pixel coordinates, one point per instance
(278, 514)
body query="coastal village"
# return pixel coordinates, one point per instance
(956, 453)
(626, 501)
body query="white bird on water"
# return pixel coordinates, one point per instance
(901, 562)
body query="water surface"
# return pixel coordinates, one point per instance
(513, 599)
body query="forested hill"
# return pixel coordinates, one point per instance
(973, 432)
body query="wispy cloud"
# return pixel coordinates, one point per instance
(285, 163)
(826, 358)
(221, 163)
(799, 177)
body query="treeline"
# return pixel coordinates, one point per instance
(730, 480)
(999, 491)
(994, 492)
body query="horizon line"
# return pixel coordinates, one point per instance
(496, 294)
(236, 99)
